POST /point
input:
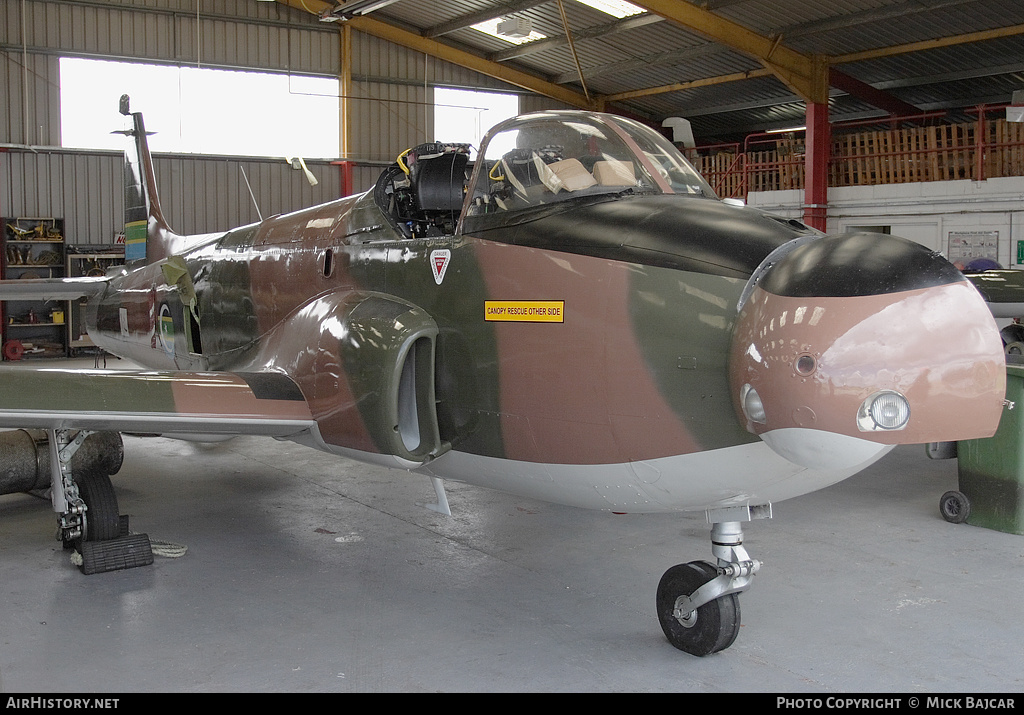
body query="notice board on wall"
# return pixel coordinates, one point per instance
(966, 246)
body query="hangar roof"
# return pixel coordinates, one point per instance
(729, 66)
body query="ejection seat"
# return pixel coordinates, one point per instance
(439, 182)
(422, 195)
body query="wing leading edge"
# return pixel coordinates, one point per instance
(52, 288)
(268, 404)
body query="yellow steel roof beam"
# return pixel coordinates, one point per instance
(950, 41)
(692, 84)
(432, 47)
(313, 6)
(441, 51)
(839, 59)
(805, 75)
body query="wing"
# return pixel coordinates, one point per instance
(52, 288)
(1002, 289)
(202, 403)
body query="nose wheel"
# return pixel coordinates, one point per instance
(697, 602)
(698, 631)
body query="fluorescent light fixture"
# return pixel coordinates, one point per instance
(351, 8)
(515, 27)
(490, 27)
(787, 129)
(615, 8)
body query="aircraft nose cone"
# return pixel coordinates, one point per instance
(861, 339)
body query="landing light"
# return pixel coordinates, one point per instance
(753, 408)
(884, 410)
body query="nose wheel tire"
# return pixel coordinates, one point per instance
(706, 630)
(955, 507)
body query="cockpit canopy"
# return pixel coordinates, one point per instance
(550, 157)
(540, 162)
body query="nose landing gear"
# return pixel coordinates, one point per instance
(700, 630)
(697, 602)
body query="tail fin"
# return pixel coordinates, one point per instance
(148, 238)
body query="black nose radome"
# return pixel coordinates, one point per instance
(858, 264)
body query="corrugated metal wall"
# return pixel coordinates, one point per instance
(30, 110)
(538, 103)
(392, 109)
(403, 109)
(198, 194)
(218, 185)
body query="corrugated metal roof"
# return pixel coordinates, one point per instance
(625, 56)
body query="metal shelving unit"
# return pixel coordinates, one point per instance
(87, 260)
(33, 247)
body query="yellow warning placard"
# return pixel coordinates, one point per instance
(525, 311)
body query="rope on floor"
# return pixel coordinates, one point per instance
(167, 549)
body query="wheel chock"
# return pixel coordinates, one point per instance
(124, 552)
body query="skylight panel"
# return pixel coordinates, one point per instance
(616, 8)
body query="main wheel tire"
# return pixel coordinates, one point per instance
(712, 627)
(955, 507)
(102, 518)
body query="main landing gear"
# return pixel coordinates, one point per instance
(88, 516)
(698, 603)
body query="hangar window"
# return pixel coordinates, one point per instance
(887, 230)
(464, 116)
(198, 110)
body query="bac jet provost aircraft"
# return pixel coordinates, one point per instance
(581, 321)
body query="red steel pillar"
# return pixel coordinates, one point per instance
(346, 166)
(818, 149)
(979, 145)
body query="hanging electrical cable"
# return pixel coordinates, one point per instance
(572, 48)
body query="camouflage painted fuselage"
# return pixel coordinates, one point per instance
(634, 368)
(584, 352)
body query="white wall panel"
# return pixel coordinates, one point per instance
(923, 212)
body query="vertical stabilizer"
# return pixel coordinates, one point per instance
(147, 236)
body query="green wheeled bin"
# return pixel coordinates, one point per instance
(991, 471)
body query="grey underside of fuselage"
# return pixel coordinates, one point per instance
(747, 474)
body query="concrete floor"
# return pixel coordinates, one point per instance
(306, 572)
